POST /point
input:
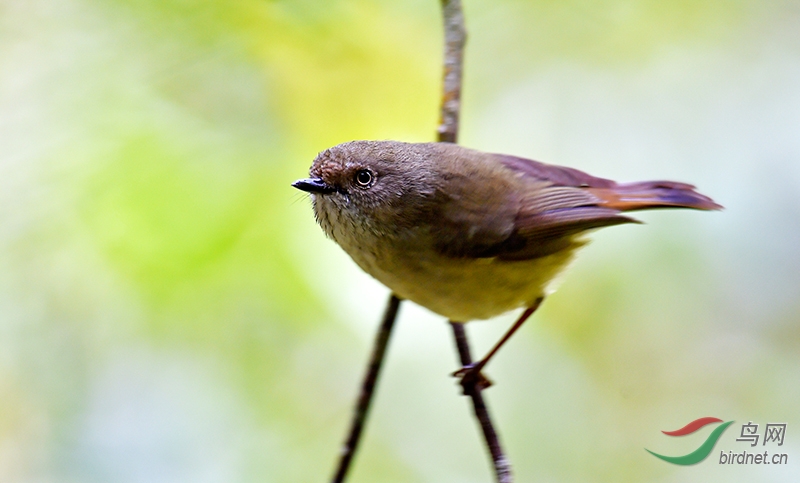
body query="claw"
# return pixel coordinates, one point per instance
(471, 376)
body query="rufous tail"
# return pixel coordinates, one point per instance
(646, 195)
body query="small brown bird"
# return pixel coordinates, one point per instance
(467, 234)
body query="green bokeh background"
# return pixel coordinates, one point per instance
(169, 311)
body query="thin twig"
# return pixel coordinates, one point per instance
(367, 388)
(502, 467)
(455, 35)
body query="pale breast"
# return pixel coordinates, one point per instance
(466, 289)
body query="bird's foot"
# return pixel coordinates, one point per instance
(471, 377)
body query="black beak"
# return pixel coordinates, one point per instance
(313, 185)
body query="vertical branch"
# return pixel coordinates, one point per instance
(367, 389)
(455, 36)
(502, 467)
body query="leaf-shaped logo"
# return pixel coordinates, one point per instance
(704, 450)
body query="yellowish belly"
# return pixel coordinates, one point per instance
(469, 289)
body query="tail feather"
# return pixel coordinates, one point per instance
(653, 194)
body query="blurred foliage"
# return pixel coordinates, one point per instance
(170, 312)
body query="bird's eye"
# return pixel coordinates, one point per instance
(364, 178)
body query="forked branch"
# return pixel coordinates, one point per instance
(455, 38)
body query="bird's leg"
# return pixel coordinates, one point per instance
(471, 374)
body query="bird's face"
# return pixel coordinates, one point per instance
(367, 187)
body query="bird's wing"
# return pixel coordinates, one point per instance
(471, 220)
(534, 214)
(543, 206)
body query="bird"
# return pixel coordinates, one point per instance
(468, 234)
